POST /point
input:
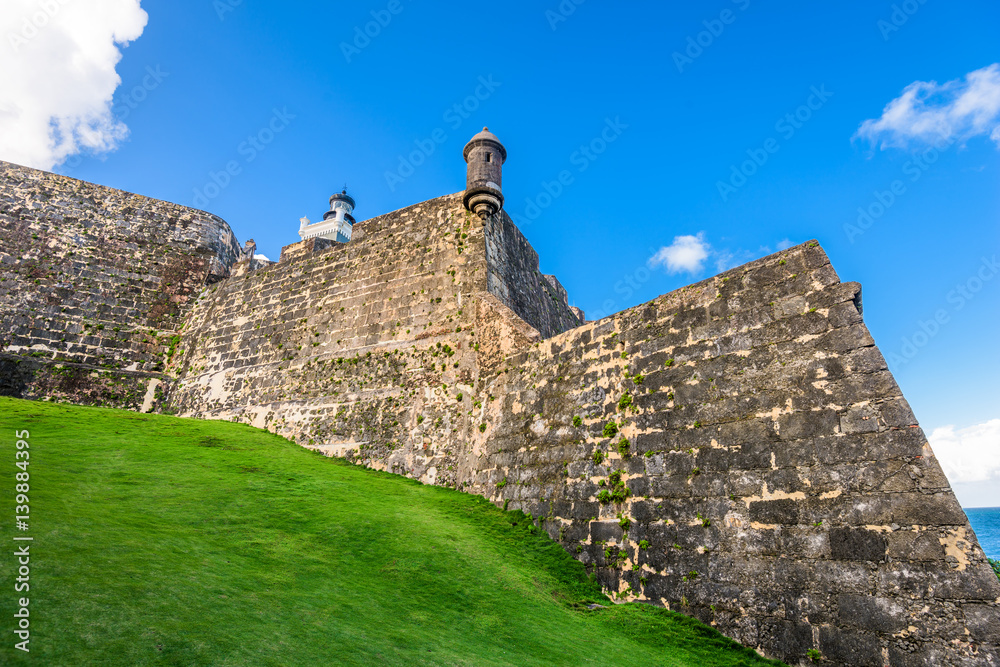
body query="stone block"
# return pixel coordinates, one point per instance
(983, 621)
(850, 648)
(875, 614)
(775, 511)
(857, 544)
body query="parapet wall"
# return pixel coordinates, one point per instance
(737, 450)
(371, 347)
(514, 278)
(95, 284)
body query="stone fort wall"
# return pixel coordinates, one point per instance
(513, 277)
(95, 284)
(372, 347)
(736, 450)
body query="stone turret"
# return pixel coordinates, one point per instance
(485, 155)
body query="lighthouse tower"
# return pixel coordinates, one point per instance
(485, 155)
(337, 223)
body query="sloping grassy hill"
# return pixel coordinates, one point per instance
(160, 540)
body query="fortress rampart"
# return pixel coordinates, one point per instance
(736, 450)
(95, 283)
(373, 346)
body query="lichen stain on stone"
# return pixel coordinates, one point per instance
(774, 495)
(956, 544)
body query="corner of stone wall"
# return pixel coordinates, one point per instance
(514, 277)
(502, 332)
(738, 450)
(97, 283)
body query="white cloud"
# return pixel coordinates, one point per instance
(686, 253)
(931, 112)
(969, 454)
(57, 76)
(689, 253)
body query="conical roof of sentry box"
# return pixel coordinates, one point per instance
(484, 137)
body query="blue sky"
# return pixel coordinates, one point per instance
(686, 92)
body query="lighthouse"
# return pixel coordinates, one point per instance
(337, 223)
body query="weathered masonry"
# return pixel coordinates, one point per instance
(94, 283)
(739, 451)
(736, 450)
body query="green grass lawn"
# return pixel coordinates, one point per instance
(160, 540)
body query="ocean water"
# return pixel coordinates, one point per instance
(986, 522)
